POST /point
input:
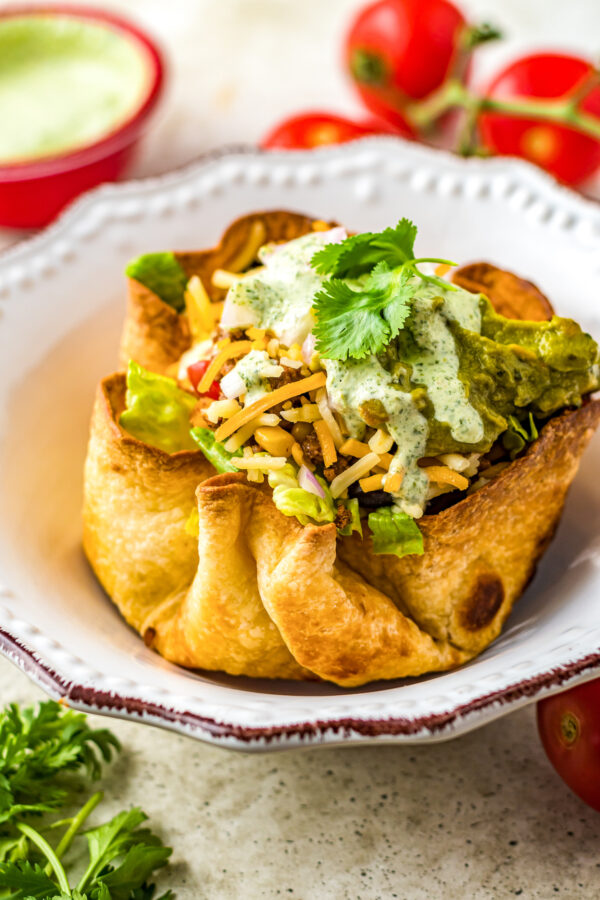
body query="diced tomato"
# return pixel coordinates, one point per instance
(195, 373)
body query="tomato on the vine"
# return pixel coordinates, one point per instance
(569, 726)
(559, 148)
(401, 51)
(316, 129)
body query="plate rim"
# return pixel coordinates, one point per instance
(56, 679)
(402, 729)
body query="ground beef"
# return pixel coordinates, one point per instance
(311, 449)
(343, 517)
(287, 377)
(340, 465)
(227, 367)
(234, 334)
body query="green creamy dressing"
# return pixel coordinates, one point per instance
(249, 369)
(279, 297)
(434, 366)
(64, 83)
(352, 383)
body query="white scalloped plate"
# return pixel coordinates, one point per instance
(61, 306)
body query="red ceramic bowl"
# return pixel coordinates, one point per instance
(33, 192)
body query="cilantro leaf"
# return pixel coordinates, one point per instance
(360, 253)
(349, 322)
(367, 299)
(357, 321)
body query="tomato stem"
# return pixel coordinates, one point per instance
(475, 35)
(455, 95)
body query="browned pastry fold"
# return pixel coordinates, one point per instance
(511, 296)
(258, 594)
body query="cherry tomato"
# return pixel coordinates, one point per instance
(315, 129)
(399, 51)
(569, 155)
(569, 726)
(195, 373)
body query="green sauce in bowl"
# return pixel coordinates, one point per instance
(64, 83)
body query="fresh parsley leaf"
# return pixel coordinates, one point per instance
(140, 853)
(39, 743)
(38, 746)
(26, 880)
(360, 253)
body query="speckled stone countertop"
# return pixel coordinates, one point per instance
(480, 817)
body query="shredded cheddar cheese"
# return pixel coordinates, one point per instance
(392, 483)
(352, 447)
(280, 395)
(356, 471)
(372, 483)
(262, 463)
(445, 475)
(201, 315)
(231, 351)
(328, 417)
(326, 442)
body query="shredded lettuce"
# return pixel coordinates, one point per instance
(162, 274)
(158, 412)
(395, 532)
(517, 436)
(214, 451)
(292, 500)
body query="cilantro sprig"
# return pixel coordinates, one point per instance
(368, 296)
(44, 751)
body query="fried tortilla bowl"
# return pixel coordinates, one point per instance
(257, 593)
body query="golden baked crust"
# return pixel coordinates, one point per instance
(261, 595)
(257, 593)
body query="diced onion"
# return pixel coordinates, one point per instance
(232, 385)
(309, 483)
(237, 315)
(308, 347)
